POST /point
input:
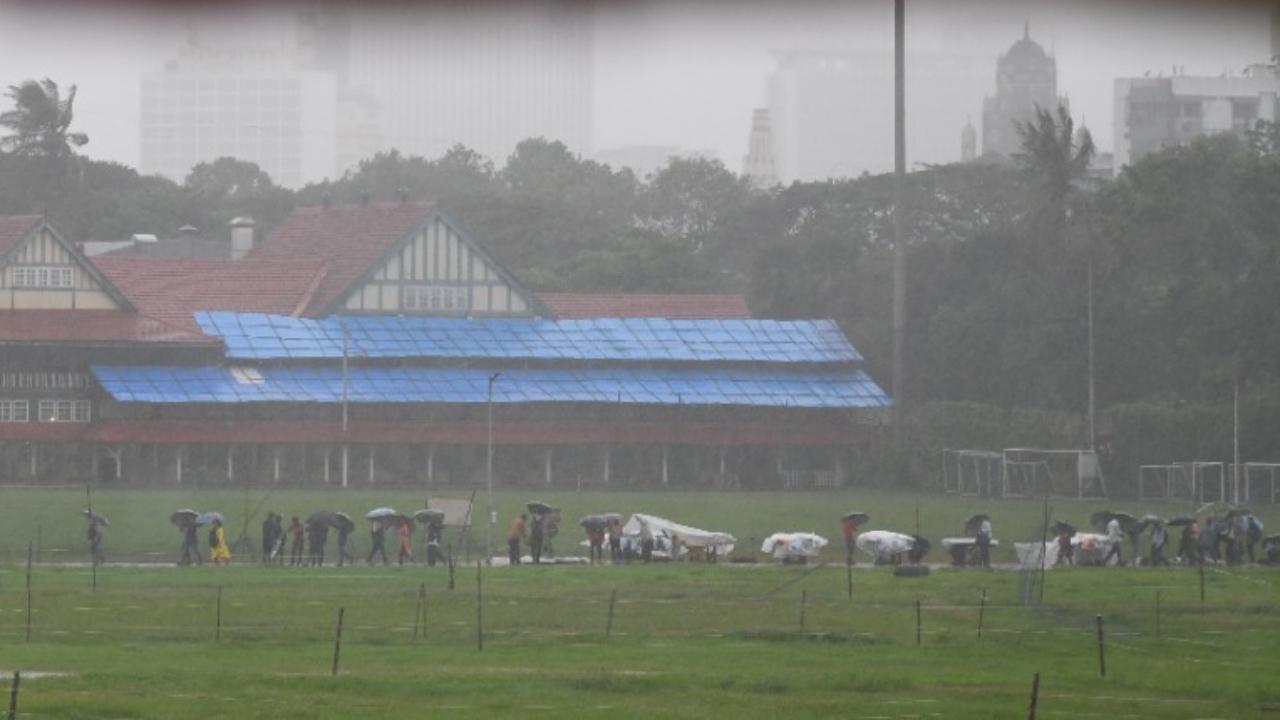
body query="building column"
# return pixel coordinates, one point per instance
(665, 477)
(431, 464)
(119, 463)
(231, 468)
(275, 464)
(608, 458)
(723, 451)
(371, 450)
(35, 460)
(327, 451)
(346, 463)
(547, 465)
(177, 461)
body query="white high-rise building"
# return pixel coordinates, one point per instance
(254, 104)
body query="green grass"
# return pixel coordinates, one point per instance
(140, 530)
(689, 641)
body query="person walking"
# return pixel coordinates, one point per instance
(317, 538)
(849, 526)
(268, 537)
(615, 539)
(1253, 534)
(378, 532)
(1159, 538)
(219, 553)
(536, 537)
(406, 542)
(434, 532)
(190, 545)
(646, 541)
(277, 549)
(1066, 553)
(515, 536)
(1113, 542)
(1189, 544)
(344, 537)
(595, 539)
(983, 539)
(295, 545)
(95, 542)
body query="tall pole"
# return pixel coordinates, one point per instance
(346, 382)
(899, 182)
(1235, 441)
(488, 472)
(1089, 302)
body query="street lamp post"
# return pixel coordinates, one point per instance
(488, 473)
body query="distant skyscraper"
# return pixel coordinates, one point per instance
(1155, 113)
(1275, 32)
(1026, 78)
(820, 116)
(254, 104)
(968, 142)
(758, 164)
(486, 75)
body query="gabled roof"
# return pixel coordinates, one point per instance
(599, 305)
(355, 241)
(14, 229)
(173, 290)
(91, 327)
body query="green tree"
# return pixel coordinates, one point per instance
(39, 123)
(1055, 157)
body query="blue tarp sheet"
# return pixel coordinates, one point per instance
(845, 388)
(255, 336)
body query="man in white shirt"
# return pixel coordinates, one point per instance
(1113, 541)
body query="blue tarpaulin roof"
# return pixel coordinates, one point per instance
(255, 336)
(845, 388)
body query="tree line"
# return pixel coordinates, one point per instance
(1181, 251)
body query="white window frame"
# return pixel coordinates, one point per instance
(435, 297)
(15, 411)
(42, 276)
(64, 410)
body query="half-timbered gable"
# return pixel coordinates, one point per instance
(438, 270)
(39, 270)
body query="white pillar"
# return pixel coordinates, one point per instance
(177, 461)
(608, 456)
(546, 466)
(371, 464)
(275, 463)
(664, 466)
(231, 469)
(431, 464)
(35, 461)
(119, 462)
(327, 451)
(346, 463)
(722, 453)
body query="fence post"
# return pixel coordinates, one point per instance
(28, 592)
(451, 566)
(804, 602)
(918, 621)
(1157, 613)
(337, 641)
(1201, 582)
(982, 610)
(1035, 696)
(418, 611)
(1102, 655)
(848, 572)
(608, 626)
(217, 629)
(13, 695)
(479, 610)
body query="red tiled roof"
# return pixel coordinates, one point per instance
(582, 305)
(14, 229)
(90, 326)
(172, 290)
(349, 238)
(473, 433)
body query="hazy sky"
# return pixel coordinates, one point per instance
(687, 74)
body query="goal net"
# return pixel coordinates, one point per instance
(1261, 483)
(1034, 472)
(972, 472)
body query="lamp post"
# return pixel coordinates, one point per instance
(488, 473)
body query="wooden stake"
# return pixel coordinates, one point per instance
(451, 566)
(848, 576)
(28, 592)
(479, 610)
(982, 610)
(1202, 582)
(1157, 613)
(13, 695)
(217, 629)
(804, 601)
(420, 614)
(337, 641)
(608, 626)
(1102, 655)
(1035, 696)
(918, 621)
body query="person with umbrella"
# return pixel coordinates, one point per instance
(268, 537)
(1253, 534)
(1066, 552)
(295, 544)
(1188, 540)
(406, 541)
(1113, 541)
(536, 536)
(515, 536)
(317, 537)
(96, 523)
(378, 534)
(615, 537)
(344, 525)
(849, 527)
(185, 520)
(983, 538)
(1159, 538)
(594, 526)
(219, 553)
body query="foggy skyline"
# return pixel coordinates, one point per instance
(689, 76)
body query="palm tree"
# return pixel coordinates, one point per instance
(1056, 157)
(39, 120)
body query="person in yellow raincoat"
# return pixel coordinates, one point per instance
(219, 554)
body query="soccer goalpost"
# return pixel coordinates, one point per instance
(1033, 472)
(1197, 481)
(1259, 475)
(972, 472)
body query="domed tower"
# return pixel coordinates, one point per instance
(1026, 78)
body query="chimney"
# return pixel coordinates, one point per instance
(242, 237)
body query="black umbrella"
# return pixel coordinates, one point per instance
(613, 517)
(429, 516)
(321, 518)
(971, 525)
(183, 517)
(1100, 518)
(95, 518)
(1181, 520)
(858, 518)
(593, 522)
(1148, 520)
(342, 520)
(539, 508)
(1127, 521)
(1060, 528)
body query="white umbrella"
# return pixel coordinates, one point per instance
(381, 513)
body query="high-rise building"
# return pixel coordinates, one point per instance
(1152, 113)
(486, 75)
(968, 142)
(818, 112)
(1026, 79)
(254, 104)
(758, 164)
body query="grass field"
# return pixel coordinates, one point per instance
(687, 640)
(140, 531)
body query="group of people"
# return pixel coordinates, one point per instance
(219, 551)
(1230, 536)
(537, 532)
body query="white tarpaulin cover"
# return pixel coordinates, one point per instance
(880, 544)
(793, 545)
(721, 542)
(1090, 548)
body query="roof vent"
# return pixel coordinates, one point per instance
(144, 238)
(188, 231)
